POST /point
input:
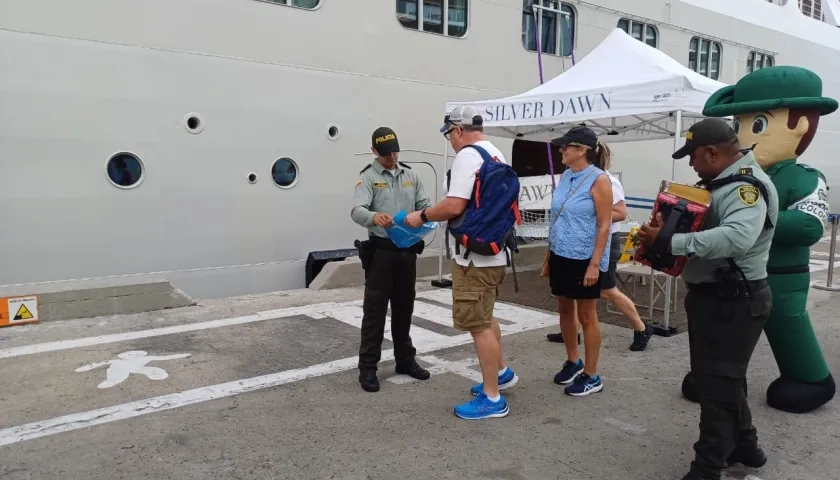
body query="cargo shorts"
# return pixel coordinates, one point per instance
(474, 293)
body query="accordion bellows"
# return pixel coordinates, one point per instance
(691, 204)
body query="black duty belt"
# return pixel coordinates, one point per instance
(380, 243)
(787, 270)
(715, 289)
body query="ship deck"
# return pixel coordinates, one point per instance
(269, 391)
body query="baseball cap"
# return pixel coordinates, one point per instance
(580, 135)
(709, 131)
(462, 116)
(384, 141)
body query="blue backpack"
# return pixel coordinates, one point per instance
(488, 225)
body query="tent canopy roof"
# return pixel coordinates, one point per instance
(624, 89)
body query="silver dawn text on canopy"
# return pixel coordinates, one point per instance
(556, 108)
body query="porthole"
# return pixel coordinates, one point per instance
(193, 123)
(333, 132)
(284, 172)
(252, 178)
(125, 170)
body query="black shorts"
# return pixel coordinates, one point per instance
(609, 279)
(565, 277)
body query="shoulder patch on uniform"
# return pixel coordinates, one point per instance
(749, 195)
(358, 182)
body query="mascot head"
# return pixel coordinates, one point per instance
(776, 109)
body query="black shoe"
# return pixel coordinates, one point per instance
(641, 339)
(414, 371)
(369, 381)
(696, 476)
(558, 337)
(748, 457)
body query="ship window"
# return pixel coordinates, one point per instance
(555, 15)
(811, 8)
(308, 4)
(757, 61)
(640, 31)
(427, 16)
(284, 172)
(125, 170)
(704, 57)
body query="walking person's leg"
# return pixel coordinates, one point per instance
(474, 292)
(402, 308)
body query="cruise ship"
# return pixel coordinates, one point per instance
(217, 142)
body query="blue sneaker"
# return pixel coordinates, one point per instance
(584, 385)
(569, 372)
(481, 407)
(506, 380)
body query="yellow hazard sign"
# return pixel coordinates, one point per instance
(23, 313)
(18, 310)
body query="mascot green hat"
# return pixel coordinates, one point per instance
(770, 89)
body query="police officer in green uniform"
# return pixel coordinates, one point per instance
(728, 300)
(387, 186)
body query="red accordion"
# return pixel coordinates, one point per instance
(683, 209)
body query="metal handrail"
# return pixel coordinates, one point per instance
(834, 219)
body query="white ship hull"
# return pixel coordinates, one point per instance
(84, 80)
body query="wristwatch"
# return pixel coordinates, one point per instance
(423, 216)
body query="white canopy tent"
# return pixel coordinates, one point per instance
(624, 90)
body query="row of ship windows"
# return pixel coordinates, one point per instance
(125, 170)
(557, 27)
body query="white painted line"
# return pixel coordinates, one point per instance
(352, 313)
(441, 366)
(156, 332)
(433, 313)
(138, 408)
(505, 311)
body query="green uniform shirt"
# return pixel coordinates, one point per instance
(734, 227)
(379, 190)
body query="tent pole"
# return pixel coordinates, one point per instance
(666, 329)
(441, 282)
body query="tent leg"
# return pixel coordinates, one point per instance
(665, 329)
(441, 282)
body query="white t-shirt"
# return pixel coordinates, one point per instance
(618, 196)
(462, 179)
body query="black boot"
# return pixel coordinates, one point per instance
(414, 371)
(749, 457)
(369, 381)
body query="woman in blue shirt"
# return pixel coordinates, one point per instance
(579, 241)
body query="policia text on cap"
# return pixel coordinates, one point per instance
(728, 300)
(386, 187)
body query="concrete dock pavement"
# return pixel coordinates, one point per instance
(265, 387)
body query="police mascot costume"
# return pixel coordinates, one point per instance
(776, 111)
